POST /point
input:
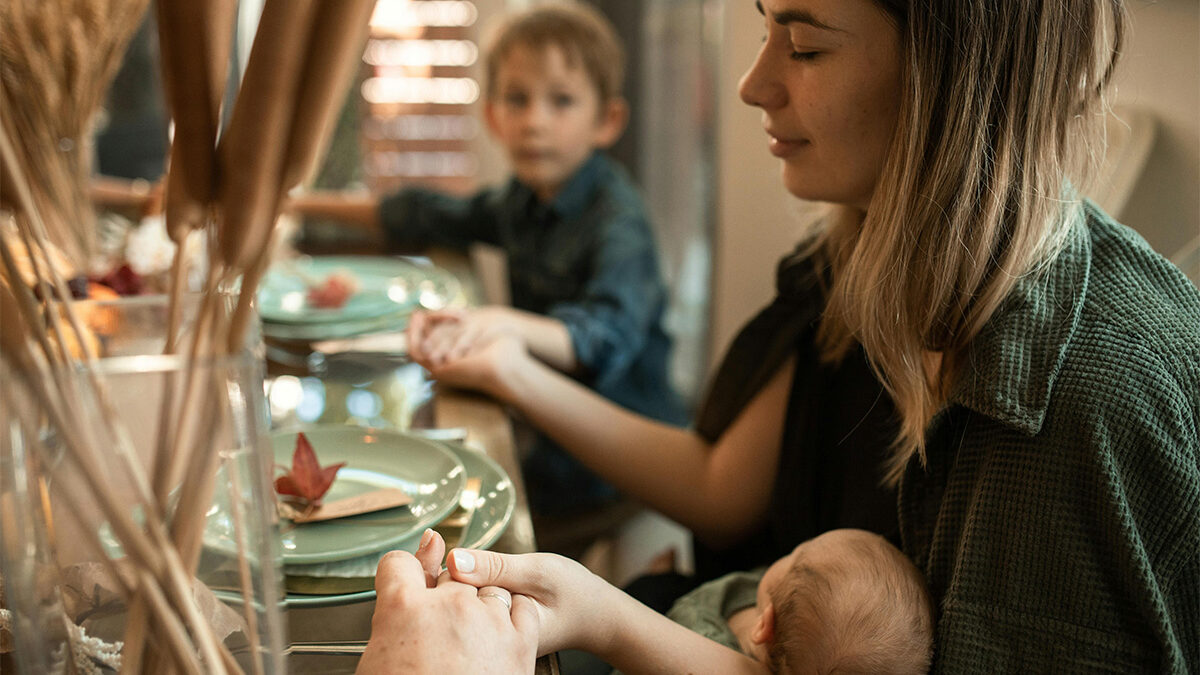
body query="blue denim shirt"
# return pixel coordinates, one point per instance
(587, 258)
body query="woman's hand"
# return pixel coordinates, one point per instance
(436, 338)
(576, 609)
(447, 335)
(490, 367)
(448, 628)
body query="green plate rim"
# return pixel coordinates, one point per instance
(434, 517)
(366, 268)
(304, 601)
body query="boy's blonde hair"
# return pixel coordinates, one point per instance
(866, 611)
(586, 39)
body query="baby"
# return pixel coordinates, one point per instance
(844, 602)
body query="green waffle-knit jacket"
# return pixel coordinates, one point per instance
(1058, 517)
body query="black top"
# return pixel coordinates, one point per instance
(839, 429)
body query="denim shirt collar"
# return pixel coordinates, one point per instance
(1012, 364)
(572, 199)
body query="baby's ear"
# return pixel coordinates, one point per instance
(613, 118)
(764, 630)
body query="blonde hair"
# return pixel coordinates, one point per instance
(585, 37)
(1002, 105)
(865, 610)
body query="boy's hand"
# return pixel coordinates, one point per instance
(574, 606)
(446, 335)
(485, 368)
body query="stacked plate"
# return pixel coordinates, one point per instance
(333, 562)
(389, 289)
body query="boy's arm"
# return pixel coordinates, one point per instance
(358, 209)
(609, 322)
(545, 337)
(410, 217)
(548, 339)
(579, 610)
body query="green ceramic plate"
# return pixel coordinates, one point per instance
(375, 458)
(352, 580)
(387, 287)
(394, 323)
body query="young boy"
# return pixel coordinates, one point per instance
(844, 602)
(583, 271)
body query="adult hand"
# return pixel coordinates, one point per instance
(450, 628)
(490, 367)
(575, 607)
(421, 328)
(429, 553)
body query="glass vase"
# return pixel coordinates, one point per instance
(157, 458)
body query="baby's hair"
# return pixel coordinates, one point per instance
(867, 611)
(585, 37)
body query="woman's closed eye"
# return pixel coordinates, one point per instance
(800, 55)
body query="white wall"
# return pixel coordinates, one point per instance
(756, 217)
(1160, 71)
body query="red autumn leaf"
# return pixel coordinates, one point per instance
(308, 480)
(333, 292)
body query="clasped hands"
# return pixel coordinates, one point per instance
(468, 348)
(485, 613)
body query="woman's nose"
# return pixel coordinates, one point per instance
(759, 87)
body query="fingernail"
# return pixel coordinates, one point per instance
(463, 561)
(425, 539)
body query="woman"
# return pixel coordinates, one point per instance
(1043, 363)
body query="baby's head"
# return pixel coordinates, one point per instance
(553, 78)
(845, 602)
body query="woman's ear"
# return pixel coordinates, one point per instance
(764, 630)
(613, 118)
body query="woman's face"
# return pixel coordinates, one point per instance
(828, 81)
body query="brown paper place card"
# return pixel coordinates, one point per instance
(375, 500)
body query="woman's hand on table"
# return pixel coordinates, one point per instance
(574, 606)
(487, 368)
(436, 338)
(429, 624)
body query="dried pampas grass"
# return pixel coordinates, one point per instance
(57, 59)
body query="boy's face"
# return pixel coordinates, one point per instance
(548, 116)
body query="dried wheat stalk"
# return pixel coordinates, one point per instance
(56, 62)
(49, 372)
(300, 66)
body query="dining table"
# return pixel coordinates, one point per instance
(368, 380)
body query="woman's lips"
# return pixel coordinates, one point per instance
(782, 148)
